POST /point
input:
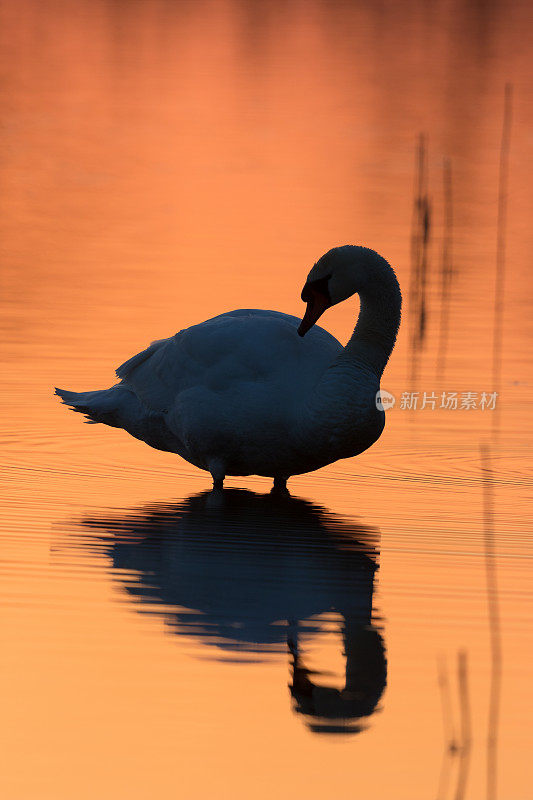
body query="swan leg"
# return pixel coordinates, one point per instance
(218, 473)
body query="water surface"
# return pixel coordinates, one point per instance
(163, 162)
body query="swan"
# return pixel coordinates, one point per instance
(253, 392)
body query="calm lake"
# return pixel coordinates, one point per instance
(371, 635)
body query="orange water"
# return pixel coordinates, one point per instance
(162, 162)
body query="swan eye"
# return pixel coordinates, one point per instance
(320, 286)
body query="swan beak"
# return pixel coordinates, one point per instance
(316, 305)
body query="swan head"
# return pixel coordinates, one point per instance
(340, 273)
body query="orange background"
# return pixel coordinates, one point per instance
(162, 162)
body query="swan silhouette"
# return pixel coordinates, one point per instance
(244, 394)
(249, 574)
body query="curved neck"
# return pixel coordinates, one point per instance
(346, 390)
(377, 326)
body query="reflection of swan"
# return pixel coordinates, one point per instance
(334, 710)
(246, 572)
(243, 394)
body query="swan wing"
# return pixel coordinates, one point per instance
(228, 352)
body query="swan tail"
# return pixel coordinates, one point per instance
(106, 405)
(119, 407)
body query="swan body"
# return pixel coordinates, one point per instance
(258, 392)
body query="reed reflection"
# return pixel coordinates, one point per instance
(250, 574)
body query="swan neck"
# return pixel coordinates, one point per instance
(377, 325)
(341, 416)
